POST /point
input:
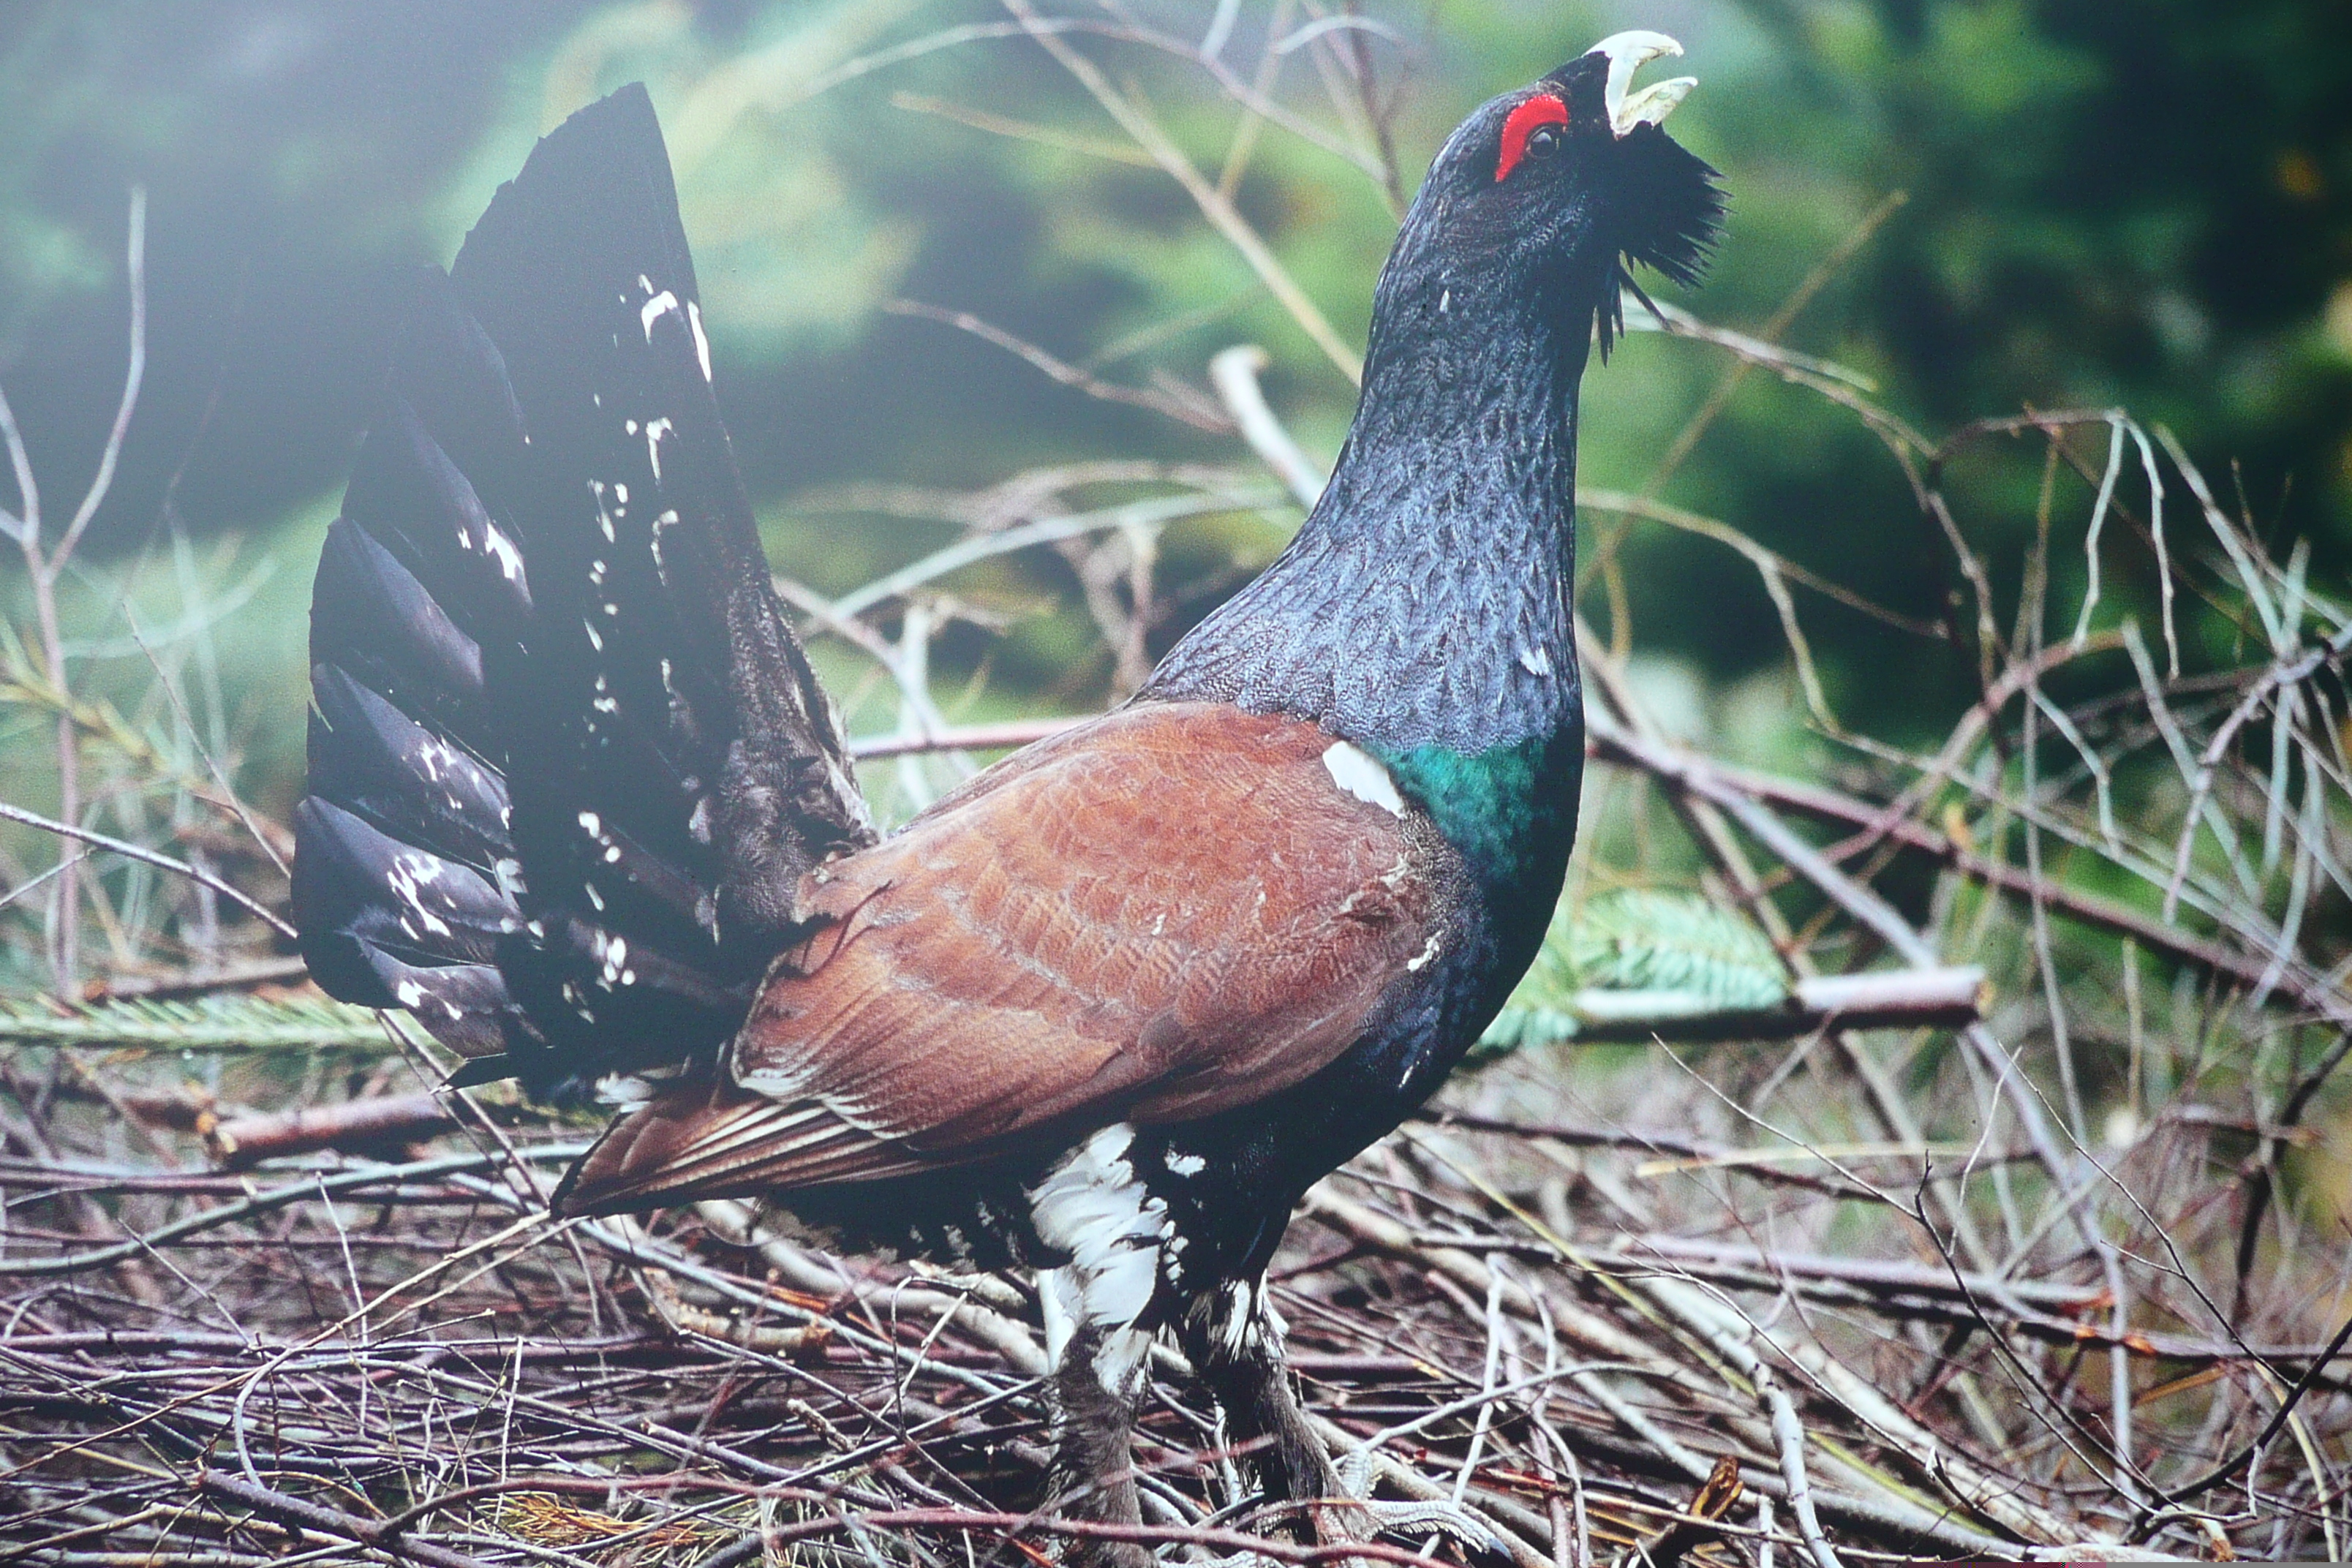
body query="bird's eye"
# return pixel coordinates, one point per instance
(1532, 129)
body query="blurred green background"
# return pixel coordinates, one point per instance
(2146, 204)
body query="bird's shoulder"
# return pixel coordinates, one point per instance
(1176, 907)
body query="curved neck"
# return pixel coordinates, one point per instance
(1426, 601)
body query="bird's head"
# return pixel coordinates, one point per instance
(1552, 190)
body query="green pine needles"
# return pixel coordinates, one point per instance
(1641, 941)
(222, 1023)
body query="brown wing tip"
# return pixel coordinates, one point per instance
(656, 1154)
(713, 1140)
(611, 1178)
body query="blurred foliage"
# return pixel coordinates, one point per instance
(2147, 205)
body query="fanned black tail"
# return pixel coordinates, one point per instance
(567, 761)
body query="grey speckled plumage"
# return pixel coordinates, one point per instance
(1426, 601)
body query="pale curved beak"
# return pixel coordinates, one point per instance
(1627, 53)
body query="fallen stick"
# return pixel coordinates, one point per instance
(351, 1126)
(300, 1515)
(1894, 999)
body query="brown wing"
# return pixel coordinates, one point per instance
(1173, 910)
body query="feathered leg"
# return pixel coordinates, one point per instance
(1098, 1381)
(1234, 1343)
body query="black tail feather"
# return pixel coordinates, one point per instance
(411, 494)
(362, 891)
(370, 615)
(401, 778)
(567, 759)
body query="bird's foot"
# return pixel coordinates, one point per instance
(1355, 1521)
(1358, 1469)
(1423, 1519)
(1350, 1514)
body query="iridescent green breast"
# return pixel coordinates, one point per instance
(1511, 810)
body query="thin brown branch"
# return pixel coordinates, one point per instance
(1022, 130)
(303, 1515)
(242, 975)
(1214, 205)
(154, 857)
(1195, 410)
(1768, 336)
(962, 738)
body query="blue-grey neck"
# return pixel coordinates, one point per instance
(1426, 600)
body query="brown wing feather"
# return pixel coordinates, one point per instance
(1171, 911)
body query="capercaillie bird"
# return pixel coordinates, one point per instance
(577, 803)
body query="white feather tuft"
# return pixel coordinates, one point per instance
(1092, 1207)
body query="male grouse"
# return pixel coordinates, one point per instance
(577, 803)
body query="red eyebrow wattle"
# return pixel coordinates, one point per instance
(1543, 109)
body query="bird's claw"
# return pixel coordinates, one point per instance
(1364, 1519)
(1358, 1470)
(1352, 1514)
(1457, 1525)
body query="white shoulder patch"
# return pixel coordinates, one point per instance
(1356, 772)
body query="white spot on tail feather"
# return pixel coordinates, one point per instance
(408, 877)
(502, 550)
(653, 308)
(1358, 774)
(701, 343)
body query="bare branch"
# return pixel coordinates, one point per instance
(134, 373)
(1214, 205)
(156, 858)
(1197, 412)
(1233, 373)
